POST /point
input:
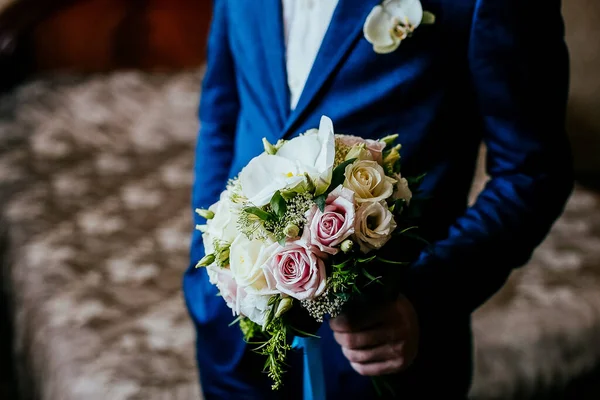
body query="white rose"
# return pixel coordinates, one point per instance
(246, 260)
(374, 225)
(368, 181)
(254, 306)
(402, 191)
(311, 153)
(223, 226)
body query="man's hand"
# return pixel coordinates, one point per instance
(380, 341)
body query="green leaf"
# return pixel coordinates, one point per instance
(305, 333)
(398, 206)
(415, 181)
(371, 277)
(321, 201)
(342, 264)
(337, 177)
(365, 260)
(282, 241)
(428, 18)
(260, 213)
(278, 204)
(383, 260)
(410, 228)
(273, 300)
(288, 194)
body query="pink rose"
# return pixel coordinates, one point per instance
(327, 229)
(374, 146)
(223, 279)
(297, 272)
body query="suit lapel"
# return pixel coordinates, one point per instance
(273, 44)
(343, 31)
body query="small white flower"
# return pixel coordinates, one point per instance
(254, 306)
(389, 23)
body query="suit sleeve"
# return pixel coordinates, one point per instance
(218, 114)
(519, 68)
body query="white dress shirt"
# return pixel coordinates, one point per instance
(305, 24)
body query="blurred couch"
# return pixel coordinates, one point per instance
(94, 200)
(582, 18)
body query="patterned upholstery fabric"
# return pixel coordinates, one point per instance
(95, 178)
(94, 183)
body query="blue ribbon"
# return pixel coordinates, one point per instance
(314, 379)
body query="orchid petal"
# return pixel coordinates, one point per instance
(386, 49)
(414, 12)
(411, 9)
(377, 28)
(327, 138)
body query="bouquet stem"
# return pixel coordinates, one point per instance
(382, 385)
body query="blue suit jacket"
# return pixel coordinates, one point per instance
(491, 70)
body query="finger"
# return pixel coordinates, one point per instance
(376, 354)
(379, 368)
(403, 310)
(362, 340)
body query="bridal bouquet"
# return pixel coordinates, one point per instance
(300, 234)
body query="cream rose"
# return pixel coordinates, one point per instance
(246, 259)
(374, 225)
(402, 191)
(368, 181)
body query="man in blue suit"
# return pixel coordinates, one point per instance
(487, 70)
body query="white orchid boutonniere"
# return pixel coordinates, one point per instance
(392, 21)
